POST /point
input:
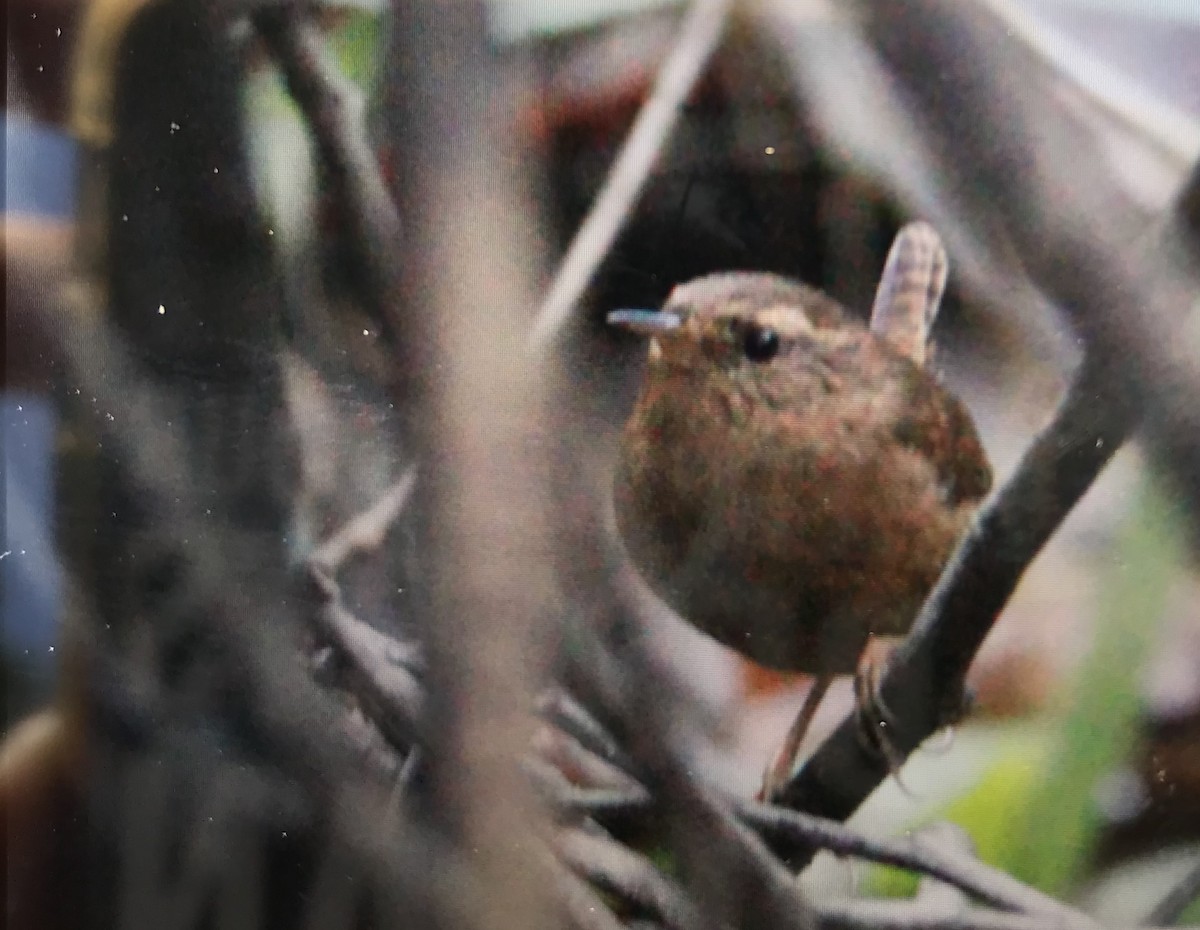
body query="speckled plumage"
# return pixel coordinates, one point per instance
(792, 507)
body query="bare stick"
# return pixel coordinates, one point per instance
(697, 41)
(990, 885)
(390, 693)
(365, 532)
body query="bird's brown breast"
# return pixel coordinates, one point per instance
(791, 510)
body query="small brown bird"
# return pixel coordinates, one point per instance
(790, 481)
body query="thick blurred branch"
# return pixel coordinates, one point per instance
(487, 593)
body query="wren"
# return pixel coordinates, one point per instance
(792, 481)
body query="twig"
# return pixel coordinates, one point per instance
(698, 38)
(731, 875)
(380, 665)
(371, 224)
(566, 713)
(365, 532)
(583, 908)
(988, 884)
(778, 826)
(613, 808)
(632, 877)
(910, 915)
(579, 764)
(390, 693)
(1177, 900)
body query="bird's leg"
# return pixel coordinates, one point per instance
(777, 775)
(874, 719)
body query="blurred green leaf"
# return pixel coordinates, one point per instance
(1056, 832)
(356, 47)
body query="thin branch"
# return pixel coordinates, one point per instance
(580, 765)
(912, 915)
(729, 871)
(780, 826)
(582, 907)
(566, 713)
(990, 885)
(698, 39)
(369, 219)
(367, 531)
(614, 809)
(389, 692)
(380, 665)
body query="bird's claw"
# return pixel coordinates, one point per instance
(875, 720)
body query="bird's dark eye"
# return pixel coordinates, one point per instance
(760, 343)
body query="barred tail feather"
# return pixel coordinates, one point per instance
(910, 290)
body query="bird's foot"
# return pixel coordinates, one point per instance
(875, 720)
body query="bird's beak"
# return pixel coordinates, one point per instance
(646, 322)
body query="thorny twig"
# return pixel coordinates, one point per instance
(698, 38)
